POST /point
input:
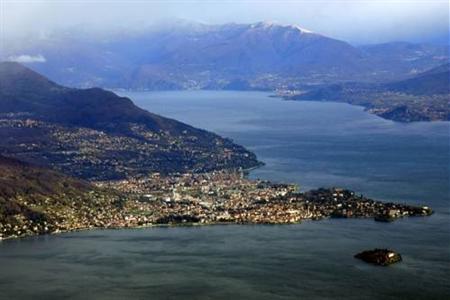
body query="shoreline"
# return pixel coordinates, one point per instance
(216, 198)
(368, 108)
(199, 224)
(273, 94)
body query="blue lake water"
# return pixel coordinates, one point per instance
(310, 143)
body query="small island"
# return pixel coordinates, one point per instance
(381, 257)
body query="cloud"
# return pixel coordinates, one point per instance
(27, 58)
(356, 21)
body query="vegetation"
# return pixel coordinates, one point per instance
(95, 134)
(35, 200)
(425, 97)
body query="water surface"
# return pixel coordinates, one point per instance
(310, 143)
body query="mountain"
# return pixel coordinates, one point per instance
(187, 55)
(36, 200)
(432, 82)
(407, 59)
(23, 90)
(95, 134)
(424, 97)
(247, 49)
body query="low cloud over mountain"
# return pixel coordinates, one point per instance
(186, 55)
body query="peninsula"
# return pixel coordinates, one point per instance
(38, 201)
(423, 97)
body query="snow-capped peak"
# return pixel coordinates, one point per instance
(301, 29)
(270, 24)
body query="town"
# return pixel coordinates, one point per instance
(93, 154)
(219, 197)
(230, 197)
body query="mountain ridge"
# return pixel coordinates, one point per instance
(432, 82)
(95, 134)
(198, 56)
(424, 97)
(56, 103)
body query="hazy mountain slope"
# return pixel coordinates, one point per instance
(190, 55)
(94, 133)
(248, 49)
(406, 59)
(432, 82)
(424, 97)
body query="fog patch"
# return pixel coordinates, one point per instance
(28, 58)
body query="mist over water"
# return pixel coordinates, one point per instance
(310, 143)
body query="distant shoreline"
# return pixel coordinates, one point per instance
(382, 112)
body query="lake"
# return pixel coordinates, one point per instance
(312, 144)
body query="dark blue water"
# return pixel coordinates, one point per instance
(312, 144)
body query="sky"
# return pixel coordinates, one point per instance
(356, 21)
